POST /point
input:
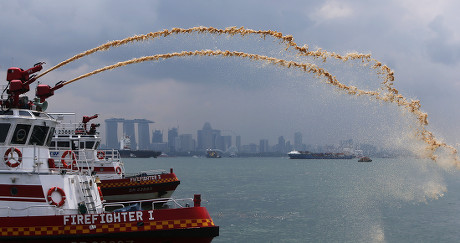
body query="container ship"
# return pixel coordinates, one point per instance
(308, 155)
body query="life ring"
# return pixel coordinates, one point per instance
(9, 157)
(118, 170)
(100, 193)
(100, 154)
(58, 190)
(72, 157)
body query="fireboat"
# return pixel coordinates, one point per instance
(79, 141)
(41, 202)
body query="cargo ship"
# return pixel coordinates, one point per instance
(308, 155)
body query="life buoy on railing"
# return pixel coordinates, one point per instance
(72, 157)
(50, 198)
(118, 170)
(10, 159)
(100, 154)
(100, 193)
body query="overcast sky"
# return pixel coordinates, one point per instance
(419, 40)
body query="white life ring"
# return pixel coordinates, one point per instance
(9, 157)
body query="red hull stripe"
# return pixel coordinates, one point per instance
(30, 191)
(16, 199)
(105, 228)
(128, 183)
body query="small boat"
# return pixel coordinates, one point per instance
(73, 143)
(365, 159)
(214, 153)
(43, 203)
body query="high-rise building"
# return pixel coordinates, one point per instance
(208, 138)
(157, 136)
(187, 143)
(143, 130)
(298, 144)
(172, 135)
(111, 132)
(263, 146)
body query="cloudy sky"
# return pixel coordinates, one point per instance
(419, 40)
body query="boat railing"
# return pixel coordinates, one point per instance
(110, 155)
(148, 173)
(176, 203)
(51, 209)
(79, 164)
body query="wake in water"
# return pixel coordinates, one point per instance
(387, 93)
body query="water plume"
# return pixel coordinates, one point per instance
(393, 97)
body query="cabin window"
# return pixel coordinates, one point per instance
(10, 112)
(24, 113)
(50, 136)
(89, 144)
(20, 134)
(38, 135)
(52, 144)
(4, 128)
(97, 145)
(82, 145)
(63, 144)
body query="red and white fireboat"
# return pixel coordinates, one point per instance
(79, 142)
(42, 203)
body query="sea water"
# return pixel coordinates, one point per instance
(284, 200)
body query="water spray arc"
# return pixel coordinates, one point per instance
(387, 94)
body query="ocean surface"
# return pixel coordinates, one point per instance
(283, 200)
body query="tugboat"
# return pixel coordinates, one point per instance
(42, 203)
(73, 142)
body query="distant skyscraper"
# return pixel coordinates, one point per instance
(111, 132)
(281, 146)
(263, 146)
(208, 138)
(143, 130)
(172, 135)
(157, 136)
(187, 144)
(238, 142)
(298, 145)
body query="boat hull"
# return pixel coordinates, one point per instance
(172, 225)
(139, 187)
(319, 156)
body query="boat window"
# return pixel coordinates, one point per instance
(24, 113)
(38, 114)
(10, 112)
(38, 135)
(89, 144)
(97, 145)
(63, 144)
(50, 136)
(20, 134)
(4, 128)
(52, 144)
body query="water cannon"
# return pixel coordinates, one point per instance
(45, 91)
(19, 81)
(15, 73)
(86, 119)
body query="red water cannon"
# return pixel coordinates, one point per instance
(19, 81)
(15, 73)
(44, 91)
(86, 119)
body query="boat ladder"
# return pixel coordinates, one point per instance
(86, 191)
